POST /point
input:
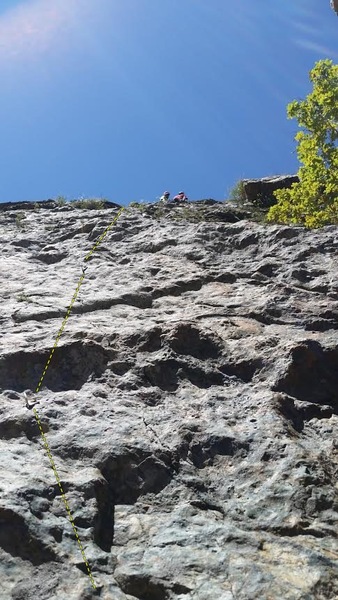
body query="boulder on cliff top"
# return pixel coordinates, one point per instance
(260, 191)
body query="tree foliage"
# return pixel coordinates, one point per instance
(313, 201)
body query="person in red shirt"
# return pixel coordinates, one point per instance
(180, 197)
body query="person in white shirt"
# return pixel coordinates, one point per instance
(165, 197)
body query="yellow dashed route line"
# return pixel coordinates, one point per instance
(45, 442)
(64, 498)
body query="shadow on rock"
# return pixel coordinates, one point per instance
(189, 340)
(70, 367)
(135, 473)
(17, 538)
(311, 374)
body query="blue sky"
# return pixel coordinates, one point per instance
(126, 98)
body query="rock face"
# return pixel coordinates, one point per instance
(259, 191)
(334, 5)
(191, 406)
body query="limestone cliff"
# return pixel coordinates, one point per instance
(190, 406)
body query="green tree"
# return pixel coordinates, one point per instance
(313, 201)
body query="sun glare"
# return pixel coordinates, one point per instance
(30, 29)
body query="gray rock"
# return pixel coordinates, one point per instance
(190, 406)
(334, 5)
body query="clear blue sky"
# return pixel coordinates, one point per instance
(127, 98)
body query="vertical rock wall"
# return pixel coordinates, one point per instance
(190, 406)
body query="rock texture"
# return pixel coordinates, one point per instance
(191, 406)
(334, 5)
(260, 191)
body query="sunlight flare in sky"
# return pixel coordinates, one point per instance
(30, 29)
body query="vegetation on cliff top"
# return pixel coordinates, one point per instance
(313, 201)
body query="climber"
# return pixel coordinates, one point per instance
(334, 5)
(165, 197)
(181, 197)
